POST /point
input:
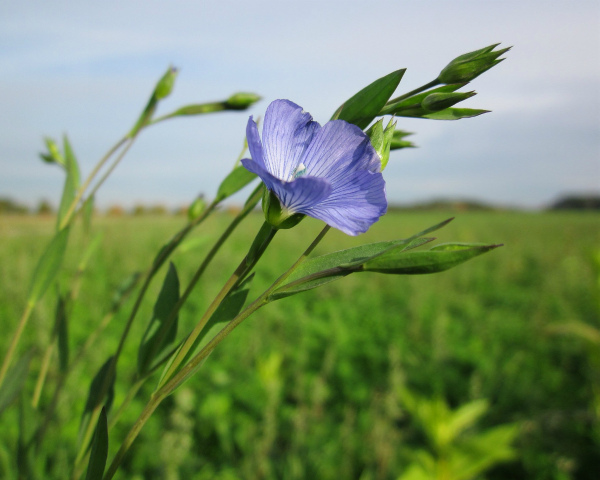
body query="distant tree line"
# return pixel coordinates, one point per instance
(577, 202)
(567, 202)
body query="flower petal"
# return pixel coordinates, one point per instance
(297, 196)
(287, 132)
(354, 206)
(338, 148)
(254, 143)
(302, 194)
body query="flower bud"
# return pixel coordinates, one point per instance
(276, 215)
(381, 139)
(196, 208)
(470, 65)
(241, 101)
(440, 101)
(165, 84)
(53, 155)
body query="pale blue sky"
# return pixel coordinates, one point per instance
(87, 69)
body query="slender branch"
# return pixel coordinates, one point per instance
(240, 272)
(15, 340)
(191, 366)
(88, 180)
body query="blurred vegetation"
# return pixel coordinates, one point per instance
(490, 370)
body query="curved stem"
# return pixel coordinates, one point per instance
(89, 180)
(239, 274)
(15, 340)
(193, 364)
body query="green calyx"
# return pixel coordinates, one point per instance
(276, 215)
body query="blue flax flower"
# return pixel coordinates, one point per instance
(331, 173)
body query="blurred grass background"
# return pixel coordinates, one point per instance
(312, 386)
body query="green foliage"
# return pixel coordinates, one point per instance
(71, 182)
(234, 182)
(99, 449)
(331, 409)
(363, 107)
(455, 451)
(162, 328)
(470, 65)
(11, 388)
(48, 265)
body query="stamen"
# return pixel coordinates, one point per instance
(298, 171)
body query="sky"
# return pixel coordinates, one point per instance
(86, 69)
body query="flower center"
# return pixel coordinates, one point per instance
(298, 172)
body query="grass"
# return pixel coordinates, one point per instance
(310, 386)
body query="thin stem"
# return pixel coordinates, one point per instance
(132, 434)
(166, 326)
(137, 384)
(15, 340)
(113, 166)
(39, 384)
(391, 103)
(190, 367)
(262, 300)
(88, 180)
(240, 272)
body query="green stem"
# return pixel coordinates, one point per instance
(166, 326)
(39, 384)
(262, 300)
(88, 180)
(132, 434)
(266, 234)
(391, 103)
(112, 166)
(190, 367)
(15, 340)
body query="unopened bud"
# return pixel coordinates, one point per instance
(440, 101)
(381, 140)
(241, 101)
(165, 84)
(196, 208)
(470, 65)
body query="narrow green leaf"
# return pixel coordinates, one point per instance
(28, 465)
(12, 386)
(455, 114)
(124, 290)
(87, 212)
(62, 333)
(326, 268)
(48, 266)
(396, 105)
(71, 181)
(159, 334)
(438, 259)
(398, 141)
(105, 376)
(89, 251)
(363, 107)
(320, 270)
(229, 308)
(235, 181)
(99, 451)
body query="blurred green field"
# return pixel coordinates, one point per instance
(311, 386)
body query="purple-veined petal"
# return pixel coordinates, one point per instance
(355, 205)
(296, 196)
(287, 132)
(330, 173)
(337, 149)
(254, 143)
(301, 194)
